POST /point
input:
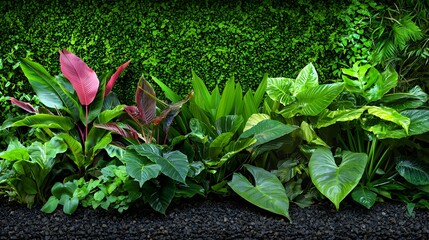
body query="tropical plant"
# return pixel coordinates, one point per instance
(401, 41)
(78, 102)
(112, 189)
(26, 172)
(367, 113)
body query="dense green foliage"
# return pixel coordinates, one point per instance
(217, 39)
(362, 136)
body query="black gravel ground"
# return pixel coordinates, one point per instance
(216, 219)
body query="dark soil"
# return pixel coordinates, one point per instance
(229, 218)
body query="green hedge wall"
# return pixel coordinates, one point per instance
(167, 39)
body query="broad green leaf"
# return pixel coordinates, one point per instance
(114, 151)
(314, 100)
(415, 98)
(75, 152)
(309, 135)
(46, 121)
(235, 147)
(364, 196)
(219, 143)
(227, 100)
(189, 190)
(268, 192)
(159, 196)
(336, 182)
(202, 95)
(327, 117)
(307, 78)
(67, 189)
(280, 90)
(47, 89)
(44, 154)
(140, 168)
(170, 94)
(15, 151)
(107, 115)
(255, 119)
(414, 171)
(70, 205)
(390, 114)
(229, 123)
(419, 124)
(268, 130)
(173, 164)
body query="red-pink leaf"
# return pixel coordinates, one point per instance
(133, 112)
(125, 131)
(146, 101)
(24, 105)
(113, 78)
(83, 78)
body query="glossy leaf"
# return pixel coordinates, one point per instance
(268, 192)
(83, 78)
(327, 117)
(75, 149)
(140, 168)
(160, 196)
(307, 78)
(336, 182)
(280, 90)
(173, 164)
(227, 100)
(115, 76)
(414, 171)
(364, 196)
(268, 130)
(390, 114)
(47, 89)
(46, 121)
(314, 100)
(44, 154)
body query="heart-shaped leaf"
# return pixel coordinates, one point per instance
(364, 196)
(336, 182)
(268, 193)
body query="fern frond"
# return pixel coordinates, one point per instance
(405, 29)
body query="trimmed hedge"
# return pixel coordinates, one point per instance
(218, 39)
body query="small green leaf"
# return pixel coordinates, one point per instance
(50, 205)
(364, 196)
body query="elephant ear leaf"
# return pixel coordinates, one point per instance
(268, 193)
(336, 182)
(84, 80)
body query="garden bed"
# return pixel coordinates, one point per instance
(229, 218)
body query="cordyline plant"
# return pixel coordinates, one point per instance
(144, 123)
(79, 101)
